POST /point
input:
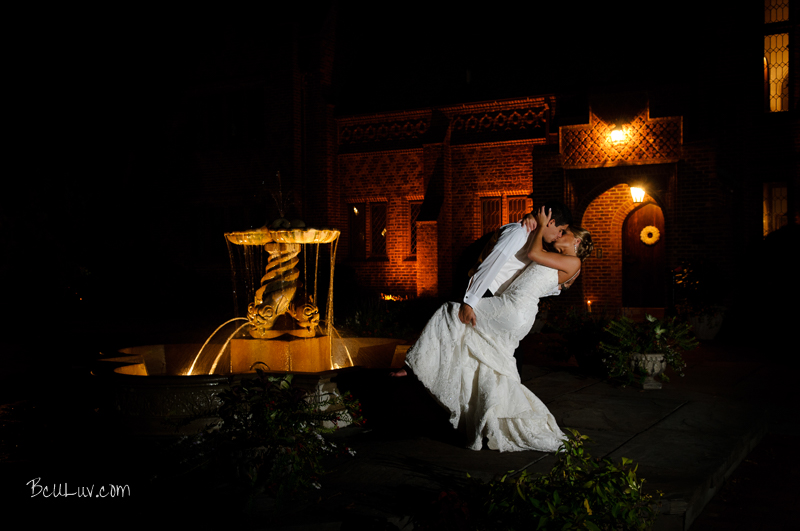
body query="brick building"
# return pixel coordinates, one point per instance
(417, 188)
(413, 188)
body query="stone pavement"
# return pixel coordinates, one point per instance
(687, 438)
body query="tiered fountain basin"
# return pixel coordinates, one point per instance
(149, 394)
(174, 389)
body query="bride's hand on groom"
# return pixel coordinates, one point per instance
(543, 217)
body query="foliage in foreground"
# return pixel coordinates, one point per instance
(270, 438)
(580, 492)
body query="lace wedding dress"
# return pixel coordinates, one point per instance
(471, 370)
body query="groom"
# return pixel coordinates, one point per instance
(509, 257)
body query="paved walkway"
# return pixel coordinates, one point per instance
(686, 438)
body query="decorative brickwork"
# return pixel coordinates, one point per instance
(451, 158)
(485, 122)
(384, 131)
(643, 141)
(493, 159)
(390, 177)
(485, 171)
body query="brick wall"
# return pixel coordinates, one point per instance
(393, 177)
(483, 171)
(427, 273)
(697, 192)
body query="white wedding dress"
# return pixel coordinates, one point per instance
(471, 370)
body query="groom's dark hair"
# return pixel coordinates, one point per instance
(560, 212)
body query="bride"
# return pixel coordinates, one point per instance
(471, 370)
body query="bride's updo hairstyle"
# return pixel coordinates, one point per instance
(586, 246)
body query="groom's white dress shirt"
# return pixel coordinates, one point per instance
(503, 265)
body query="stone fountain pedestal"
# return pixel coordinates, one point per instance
(146, 393)
(309, 354)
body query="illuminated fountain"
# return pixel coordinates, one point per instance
(283, 319)
(158, 389)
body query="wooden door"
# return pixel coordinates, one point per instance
(644, 275)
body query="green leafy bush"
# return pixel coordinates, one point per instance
(667, 336)
(579, 492)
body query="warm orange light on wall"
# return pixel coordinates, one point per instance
(637, 194)
(617, 135)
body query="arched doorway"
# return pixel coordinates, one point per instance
(644, 275)
(615, 222)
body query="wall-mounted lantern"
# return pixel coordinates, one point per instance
(617, 135)
(637, 194)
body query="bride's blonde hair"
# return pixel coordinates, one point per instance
(586, 246)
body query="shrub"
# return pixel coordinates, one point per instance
(667, 336)
(579, 492)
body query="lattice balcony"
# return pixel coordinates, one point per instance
(644, 140)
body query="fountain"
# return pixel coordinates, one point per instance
(173, 389)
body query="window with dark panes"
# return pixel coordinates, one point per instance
(775, 206)
(491, 214)
(358, 230)
(378, 229)
(517, 208)
(776, 55)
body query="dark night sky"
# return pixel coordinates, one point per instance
(102, 77)
(520, 49)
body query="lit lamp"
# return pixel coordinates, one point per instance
(617, 135)
(637, 194)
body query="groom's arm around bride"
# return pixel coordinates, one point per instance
(501, 260)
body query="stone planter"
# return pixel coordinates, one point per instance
(650, 364)
(705, 327)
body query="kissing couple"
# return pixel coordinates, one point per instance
(465, 355)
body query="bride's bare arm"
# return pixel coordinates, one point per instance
(567, 266)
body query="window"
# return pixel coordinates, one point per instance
(500, 210)
(776, 56)
(368, 229)
(776, 11)
(378, 229)
(775, 206)
(517, 208)
(491, 214)
(358, 230)
(776, 71)
(414, 209)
